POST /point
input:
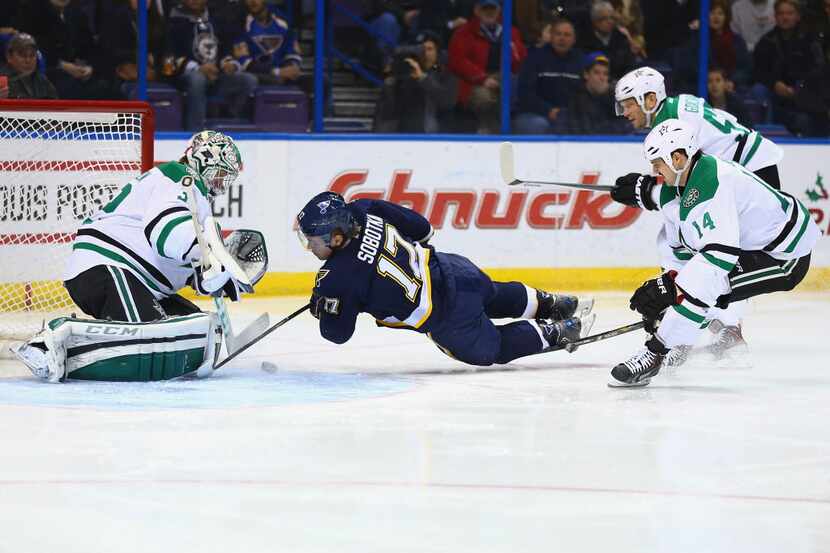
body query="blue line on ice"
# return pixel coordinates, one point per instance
(231, 389)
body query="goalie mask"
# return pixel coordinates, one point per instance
(668, 137)
(636, 84)
(216, 159)
(325, 215)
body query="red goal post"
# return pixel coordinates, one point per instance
(60, 161)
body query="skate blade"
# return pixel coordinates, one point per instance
(584, 306)
(617, 384)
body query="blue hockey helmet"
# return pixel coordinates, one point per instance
(326, 215)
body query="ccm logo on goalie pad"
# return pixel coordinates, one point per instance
(111, 330)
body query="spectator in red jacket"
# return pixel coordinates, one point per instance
(475, 57)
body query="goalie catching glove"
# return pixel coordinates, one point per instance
(635, 190)
(246, 250)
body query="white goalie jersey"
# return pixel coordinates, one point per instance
(147, 230)
(719, 134)
(723, 210)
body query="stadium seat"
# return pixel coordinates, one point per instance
(167, 104)
(280, 108)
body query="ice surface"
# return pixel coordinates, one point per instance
(385, 444)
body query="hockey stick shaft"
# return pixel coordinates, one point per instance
(274, 327)
(507, 163)
(597, 337)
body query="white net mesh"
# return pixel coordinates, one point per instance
(56, 169)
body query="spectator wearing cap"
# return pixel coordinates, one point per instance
(783, 59)
(475, 58)
(420, 92)
(604, 36)
(22, 77)
(591, 109)
(548, 79)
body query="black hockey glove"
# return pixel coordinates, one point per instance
(655, 296)
(321, 304)
(634, 190)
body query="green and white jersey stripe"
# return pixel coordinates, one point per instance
(719, 133)
(147, 230)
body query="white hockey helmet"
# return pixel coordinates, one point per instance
(216, 159)
(668, 137)
(636, 84)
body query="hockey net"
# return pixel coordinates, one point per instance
(60, 161)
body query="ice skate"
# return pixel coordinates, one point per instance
(558, 307)
(728, 340)
(638, 369)
(677, 356)
(563, 333)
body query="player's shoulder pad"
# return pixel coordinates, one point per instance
(183, 175)
(702, 185)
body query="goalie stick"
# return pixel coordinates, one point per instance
(232, 341)
(508, 174)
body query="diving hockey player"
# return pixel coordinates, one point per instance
(641, 98)
(377, 261)
(127, 264)
(745, 237)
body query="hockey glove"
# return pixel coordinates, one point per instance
(320, 304)
(655, 296)
(220, 285)
(635, 190)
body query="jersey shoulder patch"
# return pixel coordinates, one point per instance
(702, 185)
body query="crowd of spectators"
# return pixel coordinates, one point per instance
(769, 60)
(87, 49)
(439, 60)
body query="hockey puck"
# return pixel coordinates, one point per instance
(269, 367)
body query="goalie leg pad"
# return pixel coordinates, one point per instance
(84, 349)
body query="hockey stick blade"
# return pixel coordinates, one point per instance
(507, 164)
(257, 327)
(571, 346)
(274, 327)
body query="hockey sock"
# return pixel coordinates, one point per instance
(513, 300)
(518, 339)
(731, 316)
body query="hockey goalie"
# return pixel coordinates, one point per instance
(130, 260)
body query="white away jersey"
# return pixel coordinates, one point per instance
(147, 229)
(723, 210)
(719, 134)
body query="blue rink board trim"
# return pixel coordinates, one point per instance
(370, 137)
(231, 389)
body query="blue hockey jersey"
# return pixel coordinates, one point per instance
(267, 47)
(384, 271)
